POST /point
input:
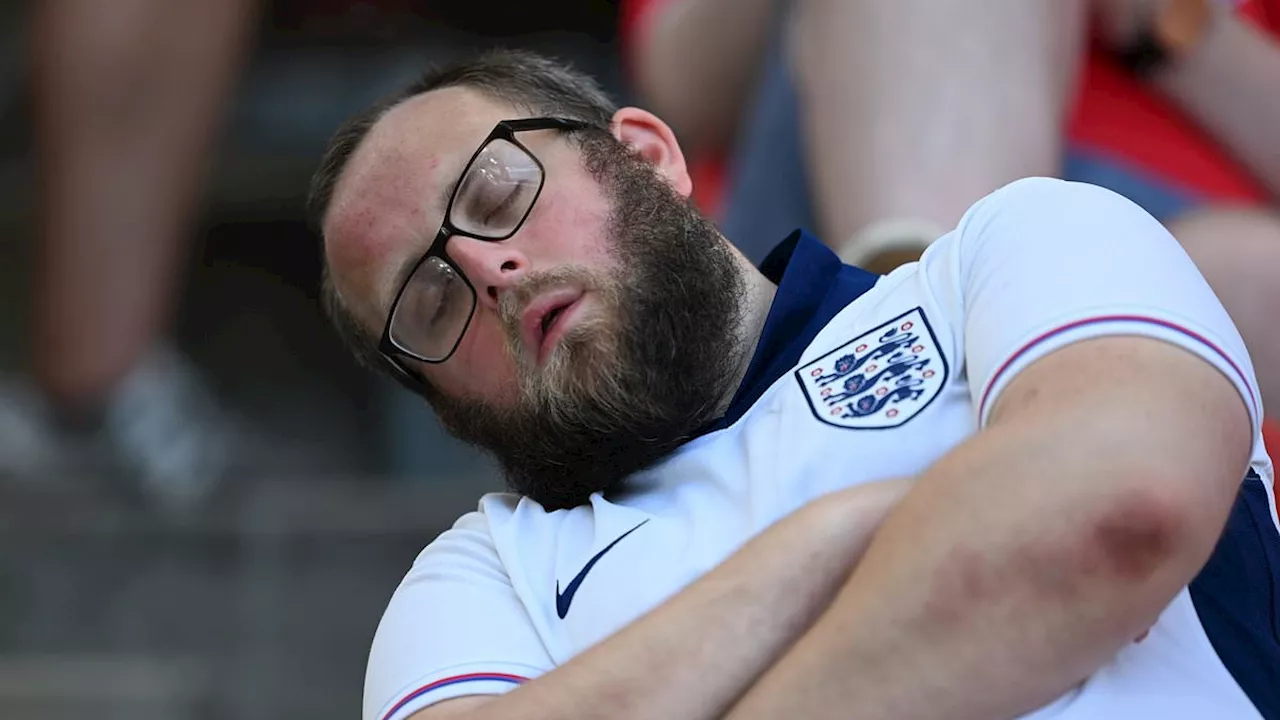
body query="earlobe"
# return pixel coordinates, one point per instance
(653, 140)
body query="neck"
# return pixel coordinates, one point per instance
(757, 300)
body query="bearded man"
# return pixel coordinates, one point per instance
(1005, 480)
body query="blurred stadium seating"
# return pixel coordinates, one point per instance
(263, 606)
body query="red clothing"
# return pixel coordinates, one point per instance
(1118, 114)
(634, 18)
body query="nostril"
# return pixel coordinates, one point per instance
(509, 265)
(493, 292)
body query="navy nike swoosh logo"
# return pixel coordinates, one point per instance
(562, 601)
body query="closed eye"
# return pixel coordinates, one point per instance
(442, 294)
(494, 216)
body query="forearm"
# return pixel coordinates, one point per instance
(698, 64)
(1230, 85)
(1015, 568)
(694, 655)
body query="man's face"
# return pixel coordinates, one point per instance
(606, 329)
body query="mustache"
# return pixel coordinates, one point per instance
(511, 304)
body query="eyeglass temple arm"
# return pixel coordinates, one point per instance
(407, 378)
(523, 124)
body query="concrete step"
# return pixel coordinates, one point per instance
(102, 686)
(261, 608)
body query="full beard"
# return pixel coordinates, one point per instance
(629, 384)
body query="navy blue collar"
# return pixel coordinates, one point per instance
(813, 285)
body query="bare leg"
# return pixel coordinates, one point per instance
(129, 95)
(1238, 251)
(914, 109)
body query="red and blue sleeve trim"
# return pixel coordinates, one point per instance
(1045, 337)
(453, 680)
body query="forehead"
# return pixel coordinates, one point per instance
(387, 195)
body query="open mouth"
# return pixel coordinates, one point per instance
(555, 325)
(547, 319)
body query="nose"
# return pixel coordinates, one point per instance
(492, 267)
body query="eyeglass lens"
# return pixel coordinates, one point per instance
(493, 197)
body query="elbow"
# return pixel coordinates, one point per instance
(1134, 538)
(1148, 531)
(1121, 558)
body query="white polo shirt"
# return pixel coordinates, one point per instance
(856, 379)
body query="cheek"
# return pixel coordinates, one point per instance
(573, 231)
(481, 367)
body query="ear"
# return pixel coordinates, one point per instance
(653, 140)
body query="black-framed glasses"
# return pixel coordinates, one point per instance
(494, 195)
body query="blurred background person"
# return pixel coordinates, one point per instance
(859, 118)
(129, 97)
(1179, 111)
(877, 122)
(161, 271)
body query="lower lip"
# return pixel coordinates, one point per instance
(558, 330)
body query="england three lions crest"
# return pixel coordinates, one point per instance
(880, 379)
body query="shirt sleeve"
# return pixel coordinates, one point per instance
(1044, 263)
(454, 627)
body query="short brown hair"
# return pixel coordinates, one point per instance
(531, 83)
